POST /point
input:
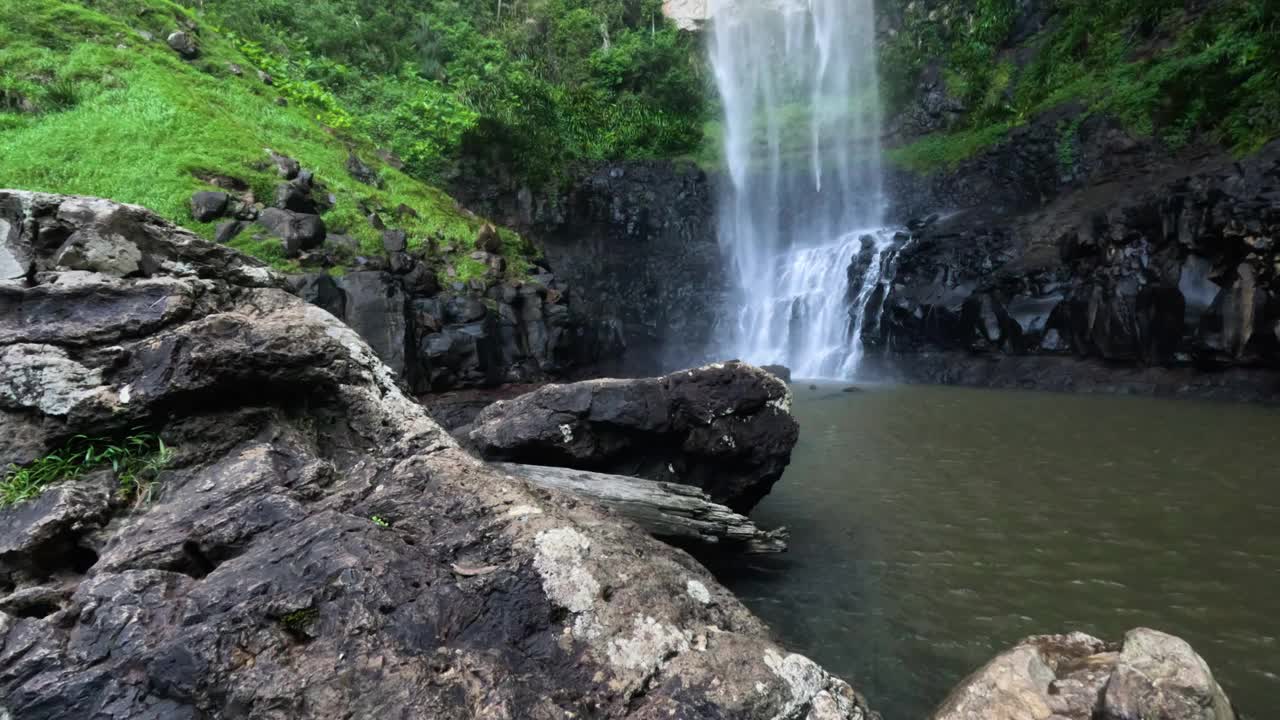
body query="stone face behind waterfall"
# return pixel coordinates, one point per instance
(634, 243)
(1177, 273)
(317, 547)
(1150, 676)
(726, 428)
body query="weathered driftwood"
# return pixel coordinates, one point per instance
(665, 510)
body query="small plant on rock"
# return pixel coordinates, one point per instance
(298, 622)
(137, 462)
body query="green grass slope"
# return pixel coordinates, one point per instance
(1176, 71)
(93, 101)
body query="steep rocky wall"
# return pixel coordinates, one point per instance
(635, 245)
(504, 331)
(1130, 257)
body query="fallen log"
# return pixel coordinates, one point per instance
(665, 510)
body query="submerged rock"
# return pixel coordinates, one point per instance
(726, 428)
(1150, 676)
(318, 547)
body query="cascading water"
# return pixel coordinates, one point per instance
(800, 91)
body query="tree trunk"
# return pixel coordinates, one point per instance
(665, 510)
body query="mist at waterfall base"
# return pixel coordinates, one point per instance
(801, 216)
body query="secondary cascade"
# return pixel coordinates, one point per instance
(800, 90)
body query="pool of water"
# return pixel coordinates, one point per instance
(933, 527)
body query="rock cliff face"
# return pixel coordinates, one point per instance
(635, 245)
(511, 332)
(687, 14)
(1139, 263)
(316, 545)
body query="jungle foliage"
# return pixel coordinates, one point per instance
(531, 86)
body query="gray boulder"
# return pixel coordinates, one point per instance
(184, 43)
(295, 195)
(726, 428)
(1150, 676)
(318, 547)
(286, 167)
(362, 172)
(207, 206)
(297, 231)
(228, 231)
(1160, 676)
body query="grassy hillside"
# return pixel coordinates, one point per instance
(1178, 71)
(93, 101)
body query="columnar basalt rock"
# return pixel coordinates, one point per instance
(1156, 270)
(317, 546)
(634, 246)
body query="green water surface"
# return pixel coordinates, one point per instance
(933, 527)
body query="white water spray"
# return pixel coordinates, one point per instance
(802, 147)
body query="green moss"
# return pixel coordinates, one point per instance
(946, 151)
(299, 622)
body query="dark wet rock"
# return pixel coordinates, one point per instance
(1079, 677)
(295, 196)
(345, 245)
(287, 167)
(207, 206)
(420, 281)
(297, 231)
(725, 428)
(395, 241)
(458, 408)
(781, 371)
(362, 172)
(321, 290)
(184, 43)
(317, 545)
(1139, 274)
(635, 247)
(463, 309)
(374, 306)
(228, 231)
(45, 537)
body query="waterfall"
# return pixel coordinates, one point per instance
(801, 143)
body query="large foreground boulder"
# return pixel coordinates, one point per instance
(316, 547)
(726, 428)
(1150, 676)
